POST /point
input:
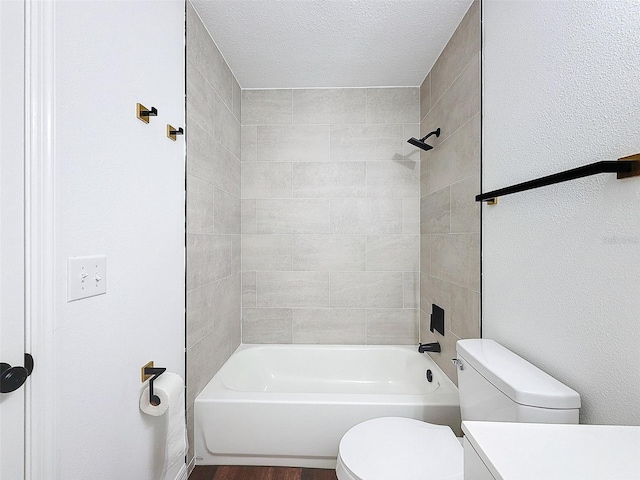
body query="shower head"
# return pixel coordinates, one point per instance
(420, 143)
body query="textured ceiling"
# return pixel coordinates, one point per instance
(330, 43)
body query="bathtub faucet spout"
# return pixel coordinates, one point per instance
(429, 347)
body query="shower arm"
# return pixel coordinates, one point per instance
(435, 132)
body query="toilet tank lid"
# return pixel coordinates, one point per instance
(521, 381)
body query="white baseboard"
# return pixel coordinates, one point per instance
(191, 465)
(183, 474)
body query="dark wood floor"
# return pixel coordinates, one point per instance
(224, 472)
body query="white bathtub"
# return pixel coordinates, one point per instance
(289, 405)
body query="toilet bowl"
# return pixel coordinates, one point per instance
(494, 383)
(393, 448)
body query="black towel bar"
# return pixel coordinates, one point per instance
(624, 167)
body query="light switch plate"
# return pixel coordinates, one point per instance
(86, 277)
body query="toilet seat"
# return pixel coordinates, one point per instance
(393, 448)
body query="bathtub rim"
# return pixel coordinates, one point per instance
(216, 391)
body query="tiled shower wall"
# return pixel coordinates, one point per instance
(330, 216)
(213, 211)
(449, 216)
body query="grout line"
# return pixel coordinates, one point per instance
(371, 87)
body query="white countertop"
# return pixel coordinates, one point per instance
(531, 451)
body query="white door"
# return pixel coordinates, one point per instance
(12, 265)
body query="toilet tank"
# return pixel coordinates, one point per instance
(496, 385)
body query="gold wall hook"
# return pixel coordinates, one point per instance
(172, 132)
(143, 113)
(145, 376)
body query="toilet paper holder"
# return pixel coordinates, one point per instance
(151, 373)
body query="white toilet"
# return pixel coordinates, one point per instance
(495, 385)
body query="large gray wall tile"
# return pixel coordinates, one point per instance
(265, 107)
(411, 215)
(393, 105)
(226, 212)
(293, 289)
(293, 216)
(236, 248)
(465, 312)
(392, 326)
(329, 252)
(393, 179)
(328, 326)
(227, 300)
(209, 258)
(458, 105)
(249, 143)
(248, 220)
(366, 215)
(266, 180)
(425, 253)
(199, 206)
(266, 252)
(226, 128)
(435, 212)
(366, 290)
(201, 99)
(249, 289)
(293, 143)
(200, 307)
(329, 106)
(329, 179)
(457, 158)
(208, 110)
(393, 253)
(204, 359)
(266, 325)
(361, 143)
(209, 161)
(455, 258)
(465, 211)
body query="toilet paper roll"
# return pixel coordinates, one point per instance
(169, 387)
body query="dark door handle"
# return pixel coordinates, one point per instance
(12, 378)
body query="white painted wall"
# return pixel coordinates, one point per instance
(561, 265)
(120, 192)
